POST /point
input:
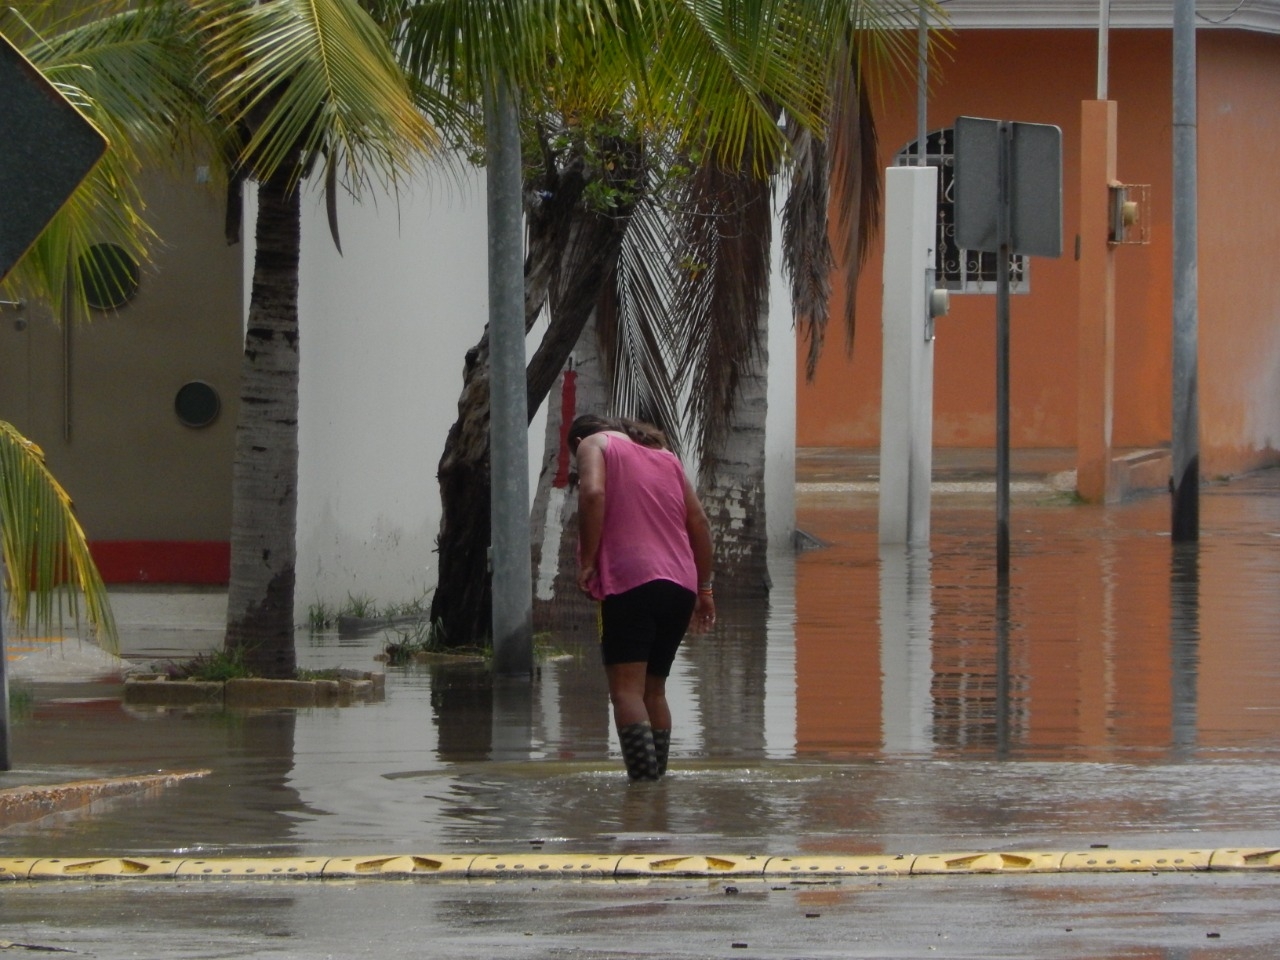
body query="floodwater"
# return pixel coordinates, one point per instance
(1126, 691)
(1122, 691)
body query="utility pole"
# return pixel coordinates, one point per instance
(508, 404)
(1185, 483)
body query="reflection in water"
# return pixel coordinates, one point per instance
(1071, 659)
(883, 699)
(1184, 643)
(906, 628)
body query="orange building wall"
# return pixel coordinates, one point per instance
(1042, 77)
(1239, 126)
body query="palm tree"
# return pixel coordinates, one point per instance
(45, 557)
(47, 563)
(609, 90)
(296, 86)
(278, 89)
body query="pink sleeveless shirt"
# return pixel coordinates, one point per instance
(644, 536)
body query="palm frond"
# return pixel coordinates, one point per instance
(806, 248)
(639, 322)
(46, 556)
(854, 174)
(312, 78)
(729, 230)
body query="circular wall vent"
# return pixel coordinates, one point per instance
(197, 404)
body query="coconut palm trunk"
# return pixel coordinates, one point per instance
(732, 485)
(265, 477)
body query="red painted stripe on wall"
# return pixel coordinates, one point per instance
(163, 561)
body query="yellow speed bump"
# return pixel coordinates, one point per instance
(544, 864)
(13, 868)
(1101, 861)
(885, 866)
(303, 868)
(397, 865)
(641, 865)
(934, 863)
(1255, 858)
(59, 869)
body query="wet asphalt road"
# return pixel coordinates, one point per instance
(1173, 917)
(419, 772)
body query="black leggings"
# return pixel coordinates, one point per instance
(646, 624)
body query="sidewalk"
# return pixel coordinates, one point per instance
(960, 470)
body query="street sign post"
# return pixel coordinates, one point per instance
(1008, 201)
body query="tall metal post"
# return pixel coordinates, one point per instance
(508, 405)
(1104, 46)
(1185, 484)
(1004, 247)
(922, 87)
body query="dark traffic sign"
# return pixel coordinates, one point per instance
(46, 148)
(1032, 187)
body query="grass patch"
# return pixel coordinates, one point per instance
(428, 639)
(213, 667)
(424, 637)
(361, 606)
(219, 666)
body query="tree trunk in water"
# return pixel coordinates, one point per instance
(733, 490)
(265, 475)
(461, 607)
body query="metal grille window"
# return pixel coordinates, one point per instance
(962, 271)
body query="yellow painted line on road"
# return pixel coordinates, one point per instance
(1246, 859)
(398, 865)
(62, 868)
(1095, 861)
(934, 863)
(637, 866)
(883, 866)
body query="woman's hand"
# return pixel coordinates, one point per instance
(586, 577)
(704, 613)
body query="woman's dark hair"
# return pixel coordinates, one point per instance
(645, 434)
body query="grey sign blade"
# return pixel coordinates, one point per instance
(47, 148)
(977, 183)
(1036, 185)
(1034, 189)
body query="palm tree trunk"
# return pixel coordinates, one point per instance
(265, 474)
(461, 605)
(733, 488)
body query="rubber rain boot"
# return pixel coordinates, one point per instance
(662, 746)
(638, 751)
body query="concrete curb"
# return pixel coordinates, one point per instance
(33, 802)
(639, 866)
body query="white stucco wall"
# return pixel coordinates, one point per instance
(384, 327)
